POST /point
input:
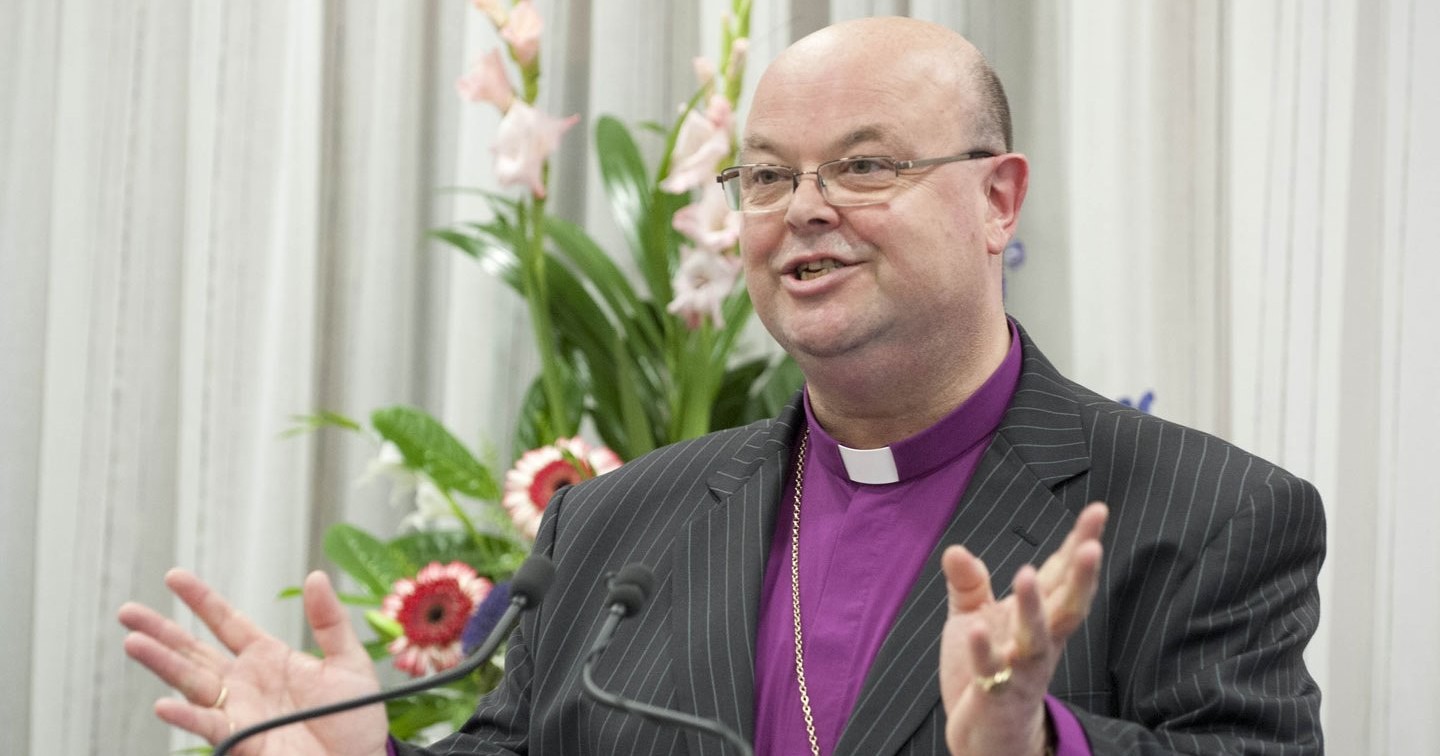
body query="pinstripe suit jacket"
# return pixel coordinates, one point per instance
(1194, 644)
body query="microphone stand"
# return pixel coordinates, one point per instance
(622, 604)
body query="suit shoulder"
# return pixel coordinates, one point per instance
(1135, 446)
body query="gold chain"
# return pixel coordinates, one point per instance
(795, 594)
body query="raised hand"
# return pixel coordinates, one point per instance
(256, 676)
(997, 657)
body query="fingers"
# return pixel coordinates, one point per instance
(1070, 603)
(967, 580)
(1032, 632)
(174, 655)
(330, 625)
(200, 685)
(232, 628)
(212, 724)
(143, 619)
(1089, 526)
(1070, 577)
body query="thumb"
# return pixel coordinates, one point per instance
(331, 625)
(967, 580)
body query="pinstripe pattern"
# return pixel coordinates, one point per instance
(1207, 599)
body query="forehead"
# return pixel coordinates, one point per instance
(818, 112)
(865, 137)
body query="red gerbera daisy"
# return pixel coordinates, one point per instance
(541, 472)
(433, 609)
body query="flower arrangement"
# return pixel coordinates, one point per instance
(642, 363)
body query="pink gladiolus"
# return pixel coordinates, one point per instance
(709, 222)
(701, 285)
(704, 70)
(739, 51)
(495, 9)
(522, 30)
(704, 140)
(526, 137)
(487, 82)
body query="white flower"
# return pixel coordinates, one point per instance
(431, 508)
(701, 285)
(539, 473)
(522, 30)
(390, 463)
(526, 137)
(492, 8)
(739, 51)
(703, 141)
(487, 82)
(709, 222)
(704, 70)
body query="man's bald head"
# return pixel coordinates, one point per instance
(936, 52)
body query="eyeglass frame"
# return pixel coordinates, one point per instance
(900, 165)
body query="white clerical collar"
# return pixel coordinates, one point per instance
(872, 466)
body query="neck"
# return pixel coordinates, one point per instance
(865, 407)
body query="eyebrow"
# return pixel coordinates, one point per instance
(861, 135)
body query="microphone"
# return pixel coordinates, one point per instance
(526, 589)
(629, 589)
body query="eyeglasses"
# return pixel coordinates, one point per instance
(848, 182)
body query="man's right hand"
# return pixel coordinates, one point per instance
(259, 675)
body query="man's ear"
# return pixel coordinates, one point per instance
(1005, 193)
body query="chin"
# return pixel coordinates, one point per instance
(829, 345)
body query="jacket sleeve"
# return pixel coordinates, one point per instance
(1220, 670)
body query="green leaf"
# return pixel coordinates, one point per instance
(533, 426)
(349, 599)
(495, 555)
(535, 429)
(322, 419)
(578, 319)
(733, 399)
(411, 715)
(638, 426)
(776, 388)
(623, 172)
(498, 201)
(593, 265)
(365, 558)
(385, 627)
(492, 247)
(661, 254)
(428, 446)
(378, 649)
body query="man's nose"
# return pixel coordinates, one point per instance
(808, 207)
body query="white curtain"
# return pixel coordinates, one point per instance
(212, 217)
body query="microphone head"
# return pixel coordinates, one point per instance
(630, 587)
(532, 579)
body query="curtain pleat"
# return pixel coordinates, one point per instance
(213, 217)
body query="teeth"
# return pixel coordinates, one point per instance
(816, 269)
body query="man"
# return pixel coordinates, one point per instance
(801, 598)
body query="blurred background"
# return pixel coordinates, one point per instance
(213, 218)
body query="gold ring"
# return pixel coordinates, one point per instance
(220, 699)
(993, 683)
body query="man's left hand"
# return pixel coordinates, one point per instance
(997, 657)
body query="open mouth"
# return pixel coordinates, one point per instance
(816, 269)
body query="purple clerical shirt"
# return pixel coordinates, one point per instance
(862, 546)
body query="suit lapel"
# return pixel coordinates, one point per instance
(1008, 516)
(719, 564)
